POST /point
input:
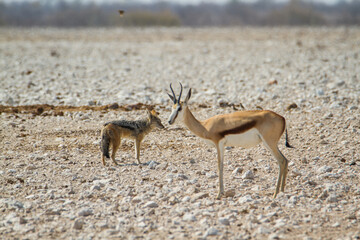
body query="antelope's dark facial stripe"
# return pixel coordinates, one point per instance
(174, 114)
(178, 109)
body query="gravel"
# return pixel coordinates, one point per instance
(54, 185)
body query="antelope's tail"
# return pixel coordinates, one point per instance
(287, 144)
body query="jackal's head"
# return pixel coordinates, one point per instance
(154, 119)
(177, 113)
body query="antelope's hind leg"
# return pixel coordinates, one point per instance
(283, 170)
(284, 176)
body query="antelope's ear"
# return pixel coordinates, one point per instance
(171, 97)
(188, 96)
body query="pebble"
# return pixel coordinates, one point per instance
(224, 221)
(11, 218)
(337, 224)
(320, 92)
(152, 164)
(182, 177)
(86, 212)
(198, 196)
(137, 199)
(324, 195)
(293, 199)
(245, 199)
(78, 224)
(332, 198)
(174, 200)
(95, 187)
(248, 175)
(263, 230)
(237, 170)
(186, 199)
(279, 223)
(189, 217)
(151, 204)
(230, 193)
(211, 232)
(324, 169)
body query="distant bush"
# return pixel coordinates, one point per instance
(295, 13)
(149, 18)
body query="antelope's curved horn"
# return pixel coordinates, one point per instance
(180, 92)
(173, 93)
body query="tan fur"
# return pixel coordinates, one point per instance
(115, 133)
(263, 118)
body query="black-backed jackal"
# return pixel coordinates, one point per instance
(113, 132)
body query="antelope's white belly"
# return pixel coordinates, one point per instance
(247, 139)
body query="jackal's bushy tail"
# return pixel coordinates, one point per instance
(105, 142)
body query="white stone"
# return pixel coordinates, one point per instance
(151, 204)
(237, 170)
(211, 232)
(332, 198)
(85, 212)
(152, 164)
(189, 217)
(324, 169)
(224, 221)
(279, 223)
(245, 199)
(263, 230)
(248, 175)
(78, 224)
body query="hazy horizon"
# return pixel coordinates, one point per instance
(182, 2)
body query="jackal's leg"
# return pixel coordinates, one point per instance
(103, 159)
(115, 147)
(137, 149)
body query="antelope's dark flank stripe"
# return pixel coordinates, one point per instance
(239, 129)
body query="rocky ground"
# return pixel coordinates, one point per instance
(59, 86)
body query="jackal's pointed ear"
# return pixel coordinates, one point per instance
(148, 113)
(188, 96)
(154, 113)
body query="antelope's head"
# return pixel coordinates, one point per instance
(154, 119)
(178, 106)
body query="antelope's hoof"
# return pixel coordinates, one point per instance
(220, 194)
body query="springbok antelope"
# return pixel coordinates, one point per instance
(244, 128)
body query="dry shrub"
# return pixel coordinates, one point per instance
(149, 18)
(295, 13)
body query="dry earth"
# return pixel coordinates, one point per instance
(59, 86)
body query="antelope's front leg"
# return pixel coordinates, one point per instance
(220, 153)
(137, 150)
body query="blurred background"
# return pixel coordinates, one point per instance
(104, 13)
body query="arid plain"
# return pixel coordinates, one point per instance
(59, 86)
